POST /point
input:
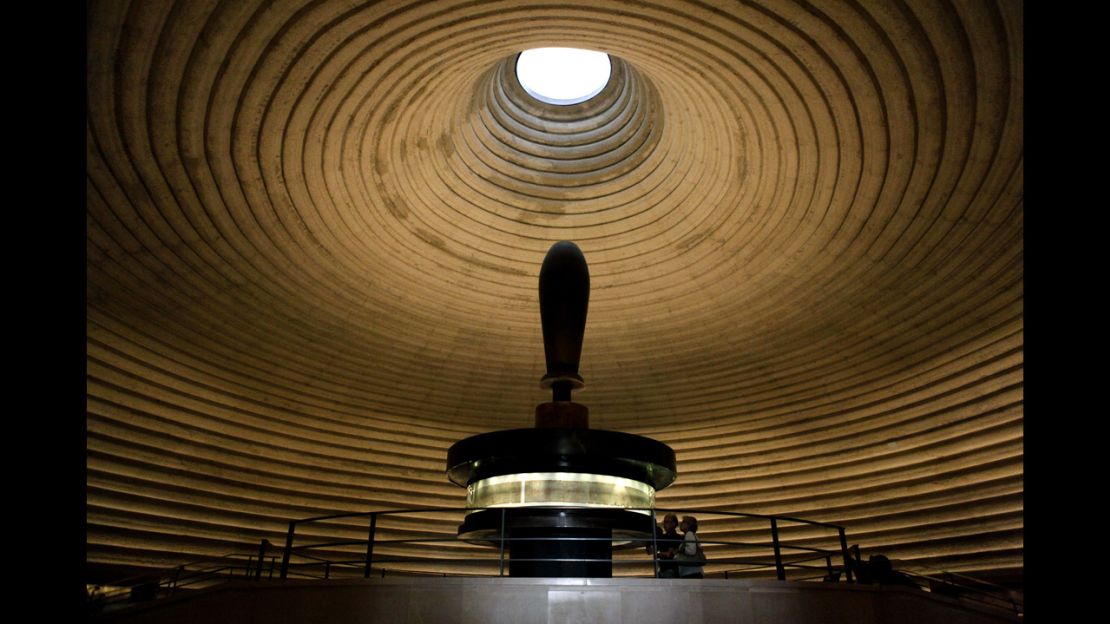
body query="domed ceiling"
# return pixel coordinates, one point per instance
(315, 231)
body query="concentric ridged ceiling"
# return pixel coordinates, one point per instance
(315, 230)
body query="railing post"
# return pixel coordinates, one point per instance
(370, 544)
(844, 552)
(327, 570)
(261, 558)
(501, 555)
(176, 576)
(288, 550)
(828, 566)
(654, 546)
(779, 570)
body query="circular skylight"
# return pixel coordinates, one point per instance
(563, 75)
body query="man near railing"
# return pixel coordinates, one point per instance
(667, 540)
(877, 570)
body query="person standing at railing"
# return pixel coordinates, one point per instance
(877, 570)
(667, 541)
(690, 555)
(885, 574)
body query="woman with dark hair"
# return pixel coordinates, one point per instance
(690, 556)
(667, 541)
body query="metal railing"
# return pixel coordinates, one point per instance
(195, 574)
(309, 557)
(965, 588)
(399, 542)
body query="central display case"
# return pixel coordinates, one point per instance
(560, 497)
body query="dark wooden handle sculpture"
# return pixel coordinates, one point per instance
(564, 299)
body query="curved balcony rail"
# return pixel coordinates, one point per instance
(193, 575)
(391, 542)
(965, 588)
(422, 542)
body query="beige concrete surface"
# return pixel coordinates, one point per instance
(559, 601)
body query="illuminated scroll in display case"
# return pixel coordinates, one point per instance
(575, 489)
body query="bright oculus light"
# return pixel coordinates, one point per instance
(574, 489)
(563, 75)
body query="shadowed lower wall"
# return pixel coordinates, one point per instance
(557, 601)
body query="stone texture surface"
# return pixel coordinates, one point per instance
(541, 601)
(315, 230)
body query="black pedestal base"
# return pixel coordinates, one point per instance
(586, 553)
(531, 534)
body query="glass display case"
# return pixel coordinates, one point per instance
(575, 489)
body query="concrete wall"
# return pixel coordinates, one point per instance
(554, 601)
(314, 233)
